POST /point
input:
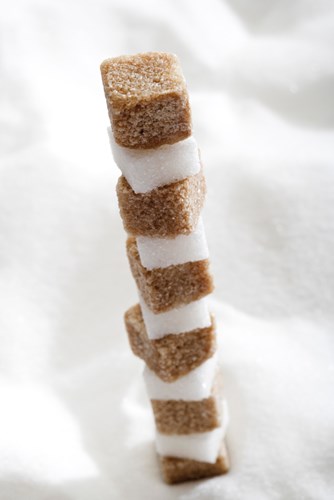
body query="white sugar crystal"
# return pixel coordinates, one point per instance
(179, 320)
(164, 252)
(203, 446)
(194, 386)
(147, 169)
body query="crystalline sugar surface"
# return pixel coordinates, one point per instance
(203, 446)
(179, 320)
(164, 252)
(194, 386)
(147, 169)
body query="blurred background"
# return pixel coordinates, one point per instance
(74, 419)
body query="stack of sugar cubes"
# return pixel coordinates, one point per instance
(161, 195)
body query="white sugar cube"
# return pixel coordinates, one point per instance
(203, 446)
(179, 320)
(194, 386)
(147, 169)
(164, 252)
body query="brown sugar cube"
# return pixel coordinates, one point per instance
(187, 417)
(164, 212)
(165, 288)
(147, 99)
(172, 356)
(178, 470)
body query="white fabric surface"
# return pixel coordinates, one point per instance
(75, 422)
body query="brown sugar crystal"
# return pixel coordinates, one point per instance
(147, 99)
(164, 212)
(165, 288)
(187, 417)
(172, 356)
(177, 470)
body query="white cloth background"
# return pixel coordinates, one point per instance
(75, 423)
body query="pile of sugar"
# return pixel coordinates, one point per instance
(265, 126)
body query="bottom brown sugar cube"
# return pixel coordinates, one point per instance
(172, 356)
(164, 212)
(165, 288)
(178, 470)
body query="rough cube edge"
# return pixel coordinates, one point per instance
(147, 99)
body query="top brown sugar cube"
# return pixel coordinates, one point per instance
(147, 99)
